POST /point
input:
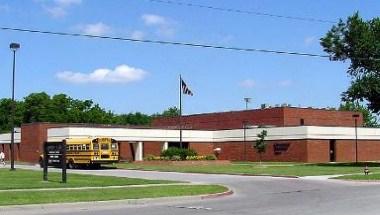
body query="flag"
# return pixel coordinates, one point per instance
(185, 89)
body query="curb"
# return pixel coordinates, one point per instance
(218, 195)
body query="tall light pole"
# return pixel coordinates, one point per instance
(245, 139)
(247, 100)
(356, 116)
(13, 47)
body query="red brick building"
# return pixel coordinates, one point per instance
(294, 134)
(279, 116)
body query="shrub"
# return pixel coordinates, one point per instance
(152, 158)
(175, 158)
(181, 153)
(210, 157)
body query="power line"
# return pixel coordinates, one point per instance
(232, 10)
(186, 44)
(162, 42)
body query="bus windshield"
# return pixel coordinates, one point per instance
(104, 146)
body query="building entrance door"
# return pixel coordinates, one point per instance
(332, 151)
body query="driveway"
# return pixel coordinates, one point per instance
(253, 195)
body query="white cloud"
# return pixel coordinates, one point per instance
(154, 20)
(58, 8)
(67, 3)
(248, 83)
(309, 40)
(163, 26)
(138, 35)
(121, 74)
(95, 29)
(285, 83)
(56, 12)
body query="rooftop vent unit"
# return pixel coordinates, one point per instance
(265, 106)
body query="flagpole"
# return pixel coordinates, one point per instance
(180, 111)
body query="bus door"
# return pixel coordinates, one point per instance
(105, 150)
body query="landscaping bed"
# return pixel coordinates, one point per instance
(184, 163)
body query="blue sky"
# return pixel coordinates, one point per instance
(126, 77)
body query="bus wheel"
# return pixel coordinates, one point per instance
(96, 165)
(71, 165)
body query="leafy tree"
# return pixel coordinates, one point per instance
(369, 119)
(60, 108)
(358, 40)
(260, 144)
(5, 114)
(170, 112)
(37, 108)
(133, 119)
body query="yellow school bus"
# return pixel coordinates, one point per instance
(91, 152)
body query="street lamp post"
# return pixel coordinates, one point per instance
(245, 139)
(356, 116)
(13, 47)
(247, 100)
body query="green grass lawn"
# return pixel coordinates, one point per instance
(266, 168)
(26, 179)
(38, 197)
(362, 177)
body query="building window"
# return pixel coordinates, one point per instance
(302, 122)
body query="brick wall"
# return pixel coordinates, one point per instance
(318, 151)
(126, 151)
(282, 116)
(33, 136)
(202, 148)
(152, 148)
(225, 120)
(296, 151)
(368, 150)
(320, 117)
(7, 151)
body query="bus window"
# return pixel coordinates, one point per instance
(105, 146)
(96, 146)
(87, 146)
(113, 146)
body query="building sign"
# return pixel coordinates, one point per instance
(279, 148)
(55, 155)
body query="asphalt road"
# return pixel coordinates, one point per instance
(253, 195)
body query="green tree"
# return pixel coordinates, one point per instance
(136, 118)
(37, 108)
(170, 112)
(260, 144)
(369, 119)
(358, 40)
(5, 114)
(60, 108)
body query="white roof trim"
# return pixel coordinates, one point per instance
(169, 135)
(6, 138)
